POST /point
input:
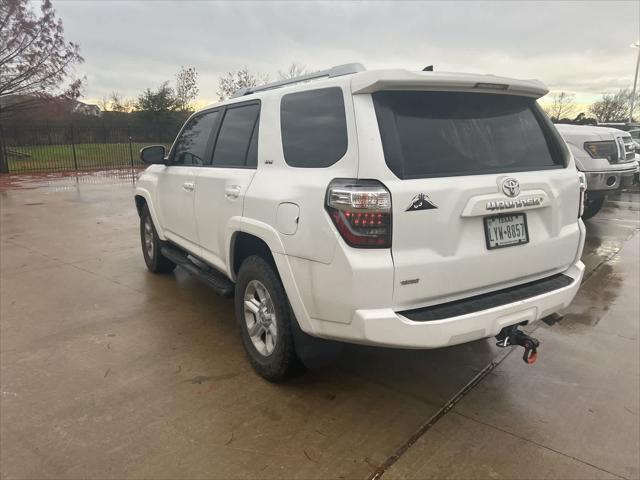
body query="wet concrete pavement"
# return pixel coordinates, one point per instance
(108, 371)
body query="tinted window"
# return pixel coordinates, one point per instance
(314, 128)
(252, 154)
(431, 134)
(191, 146)
(235, 137)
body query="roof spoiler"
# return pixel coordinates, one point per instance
(373, 81)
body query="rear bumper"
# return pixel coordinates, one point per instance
(385, 327)
(611, 180)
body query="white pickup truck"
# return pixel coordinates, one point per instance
(607, 158)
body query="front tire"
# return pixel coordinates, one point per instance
(265, 320)
(592, 205)
(156, 262)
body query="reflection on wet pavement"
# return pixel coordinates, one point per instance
(589, 309)
(63, 181)
(118, 373)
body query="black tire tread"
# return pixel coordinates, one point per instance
(283, 363)
(592, 207)
(159, 263)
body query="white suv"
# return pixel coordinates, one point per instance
(392, 208)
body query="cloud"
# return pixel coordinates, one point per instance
(578, 46)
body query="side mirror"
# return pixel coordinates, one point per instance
(153, 155)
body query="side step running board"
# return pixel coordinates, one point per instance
(214, 279)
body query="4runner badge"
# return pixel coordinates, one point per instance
(421, 202)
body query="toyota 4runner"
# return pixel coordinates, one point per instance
(391, 208)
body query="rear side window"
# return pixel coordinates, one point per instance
(239, 127)
(436, 134)
(191, 145)
(314, 128)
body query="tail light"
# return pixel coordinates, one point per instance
(583, 189)
(361, 211)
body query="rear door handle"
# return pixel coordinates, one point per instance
(232, 192)
(188, 186)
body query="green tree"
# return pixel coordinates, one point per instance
(161, 100)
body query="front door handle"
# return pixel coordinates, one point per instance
(188, 186)
(232, 192)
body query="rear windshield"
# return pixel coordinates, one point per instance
(436, 134)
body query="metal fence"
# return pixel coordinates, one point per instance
(76, 148)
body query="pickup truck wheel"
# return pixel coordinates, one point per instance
(265, 321)
(592, 205)
(156, 262)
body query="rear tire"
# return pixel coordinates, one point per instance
(265, 320)
(156, 262)
(592, 205)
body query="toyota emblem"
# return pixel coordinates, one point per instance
(511, 187)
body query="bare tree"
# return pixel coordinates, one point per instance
(186, 88)
(129, 105)
(74, 90)
(116, 102)
(234, 81)
(562, 105)
(120, 104)
(294, 70)
(34, 56)
(35, 59)
(104, 103)
(612, 107)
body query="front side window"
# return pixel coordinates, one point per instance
(237, 141)
(436, 134)
(314, 128)
(193, 142)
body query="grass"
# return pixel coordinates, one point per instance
(88, 156)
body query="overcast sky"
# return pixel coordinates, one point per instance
(581, 47)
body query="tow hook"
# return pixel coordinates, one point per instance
(512, 336)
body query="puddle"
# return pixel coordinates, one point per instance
(595, 298)
(63, 181)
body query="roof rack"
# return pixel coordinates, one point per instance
(337, 71)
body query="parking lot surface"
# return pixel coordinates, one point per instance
(108, 371)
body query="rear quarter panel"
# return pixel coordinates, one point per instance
(277, 183)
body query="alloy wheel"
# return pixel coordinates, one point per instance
(260, 317)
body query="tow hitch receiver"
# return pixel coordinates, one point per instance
(512, 336)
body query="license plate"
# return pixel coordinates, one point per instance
(506, 230)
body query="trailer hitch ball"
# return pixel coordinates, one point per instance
(513, 336)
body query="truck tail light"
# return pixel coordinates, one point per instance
(583, 189)
(361, 212)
